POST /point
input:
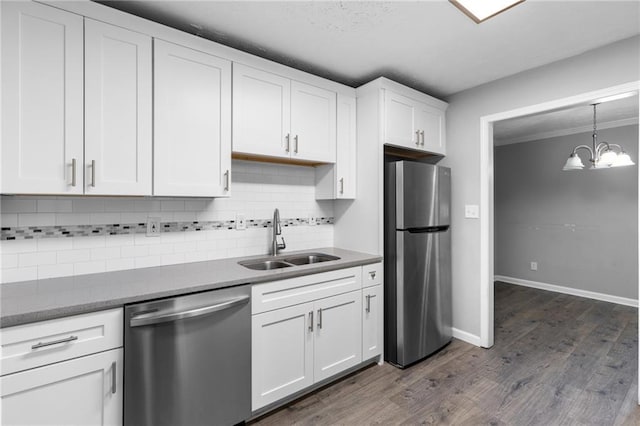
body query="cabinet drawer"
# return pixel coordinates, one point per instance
(279, 294)
(33, 345)
(371, 274)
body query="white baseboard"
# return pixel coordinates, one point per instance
(465, 337)
(568, 290)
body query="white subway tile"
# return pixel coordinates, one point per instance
(172, 205)
(138, 217)
(89, 242)
(146, 205)
(9, 220)
(88, 205)
(103, 253)
(73, 256)
(147, 261)
(92, 267)
(134, 251)
(18, 274)
(172, 259)
(172, 237)
(55, 206)
(68, 219)
(196, 205)
(18, 246)
(37, 258)
(119, 240)
(206, 245)
(142, 239)
(8, 261)
(55, 244)
(161, 249)
(119, 264)
(118, 205)
(18, 205)
(185, 247)
(36, 219)
(195, 235)
(196, 256)
(184, 216)
(53, 271)
(105, 218)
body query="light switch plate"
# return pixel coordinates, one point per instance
(153, 227)
(241, 222)
(312, 221)
(472, 211)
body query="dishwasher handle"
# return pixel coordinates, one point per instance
(175, 316)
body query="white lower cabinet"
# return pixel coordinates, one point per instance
(82, 391)
(308, 329)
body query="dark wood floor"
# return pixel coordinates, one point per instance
(557, 360)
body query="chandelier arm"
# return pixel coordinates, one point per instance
(588, 148)
(615, 145)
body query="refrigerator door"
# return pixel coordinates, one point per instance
(422, 195)
(423, 299)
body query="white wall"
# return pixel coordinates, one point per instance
(581, 227)
(257, 188)
(607, 66)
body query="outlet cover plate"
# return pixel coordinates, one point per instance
(241, 222)
(153, 227)
(312, 221)
(472, 211)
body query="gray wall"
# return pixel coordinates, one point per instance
(580, 226)
(607, 66)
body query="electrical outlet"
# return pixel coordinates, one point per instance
(241, 222)
(153, 227)
(471, 211)
(312, 221)
(534, 266)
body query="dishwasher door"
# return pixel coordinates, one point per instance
(188, 359)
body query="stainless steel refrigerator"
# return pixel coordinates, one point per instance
(417, 258)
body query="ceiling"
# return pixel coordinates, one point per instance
(428, 45)
(577, 119)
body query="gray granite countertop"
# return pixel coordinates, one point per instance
(38, 300)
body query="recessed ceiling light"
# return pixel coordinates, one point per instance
(481, 10)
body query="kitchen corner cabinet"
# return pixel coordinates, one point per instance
(66, 371)
(48, 55)
(274, 116)
(338, 181)
(42, 99)
(118, 120)
(192, 122)
(413, 124)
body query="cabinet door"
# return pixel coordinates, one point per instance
(313, 123)
(192, 122)
(346, 148)
(282, 353)
(338, 334)
(430, 123)
(117, 110)
(372, 317)
(42, 105)
(400, 121)
(261, 112)
(82, 391)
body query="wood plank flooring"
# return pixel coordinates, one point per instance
(557, 360)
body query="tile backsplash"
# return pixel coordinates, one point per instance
(46, 237)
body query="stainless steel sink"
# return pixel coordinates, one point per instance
(308, 258)
(265, 265)
(270, 263)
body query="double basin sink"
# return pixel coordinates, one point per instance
(266, 264)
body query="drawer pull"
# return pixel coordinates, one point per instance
(373, 275)
(368, 309)
(55, 342)
(311, 321)
(319, 319)
(114, 376)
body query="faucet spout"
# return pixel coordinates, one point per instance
(277, 230)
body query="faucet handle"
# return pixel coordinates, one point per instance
(282, 245)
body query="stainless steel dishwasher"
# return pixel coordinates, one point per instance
(188, 359)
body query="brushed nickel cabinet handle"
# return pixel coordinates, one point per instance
(311, 321)
(54, 342)
(295, 144)
(368, 309)
(319, 318)
(342, 185)
(114, 377)
(226, 180)
(287, 138)
(418, 137)
(422, 136)
(73, 171)
(93, 173)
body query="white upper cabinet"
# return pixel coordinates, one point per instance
(42, 105)
(192, 122)
(261, 112)
(118, 115)
(313, 123)
(413, 124)
(274, 116)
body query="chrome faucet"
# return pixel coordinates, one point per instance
(277, 230)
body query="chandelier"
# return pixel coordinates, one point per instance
(602, 155)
